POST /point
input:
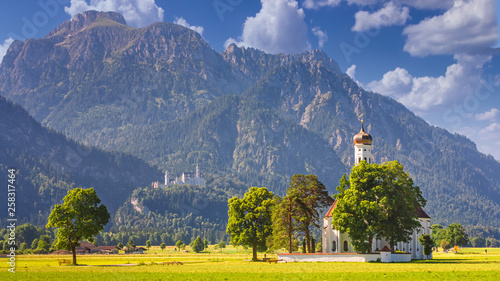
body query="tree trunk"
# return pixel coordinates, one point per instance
(308, 240)
(73, 249)
(254, 257)
(290, 245)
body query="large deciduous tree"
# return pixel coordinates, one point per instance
(250, 220)
(455, 235)
(399, 204)
(79, 217)
(357, 212)
(377, 201)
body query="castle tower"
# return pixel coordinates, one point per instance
(166, 178)
(362, 146)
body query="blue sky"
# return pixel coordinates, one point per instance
(437, 57)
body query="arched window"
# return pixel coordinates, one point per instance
(365, 158)
(359, 160)
(334, 246)
(346, 246)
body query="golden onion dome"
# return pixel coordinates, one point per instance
(362, 137)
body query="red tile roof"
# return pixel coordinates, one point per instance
(329, 212)
(87, 245)
(385, 249)
(421, 214)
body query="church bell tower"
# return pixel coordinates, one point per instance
(362, 146)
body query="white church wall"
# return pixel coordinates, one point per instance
(347, 257)
(400, 257)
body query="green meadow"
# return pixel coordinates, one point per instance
(233, 264)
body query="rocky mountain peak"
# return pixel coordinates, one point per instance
(256, 63)
(85, 19)
(322, 59)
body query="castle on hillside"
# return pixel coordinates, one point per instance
(334, 241)
(186, 178)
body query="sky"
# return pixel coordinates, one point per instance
(440, 58)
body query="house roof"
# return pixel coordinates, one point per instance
(109, 248)
(421, 214)
(87, 245)
(385, 249)
(329, 212)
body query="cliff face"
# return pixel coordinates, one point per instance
(161, 93)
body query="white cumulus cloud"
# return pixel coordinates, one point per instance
(395, 83)
(279, 27)
(421, 94)
(388, 15)
(5, 47)
(467, 27)
(419, 4)
(492, 132)
(181, 21)
(137, 13)
(351, 72)
(322, 36)
(364, 2)
(316, 4)
(428, 4)
(488, 115)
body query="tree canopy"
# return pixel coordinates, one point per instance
(79, 217)
(250, 220)
(197, 245)
(299, 211)
(284, 223)
(455, 235)
(426, 241)
(377, 201)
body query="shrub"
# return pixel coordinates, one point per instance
(40, 251)
(197, 245)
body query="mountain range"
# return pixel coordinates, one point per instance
(163, 95)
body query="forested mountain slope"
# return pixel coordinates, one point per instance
(164, 95)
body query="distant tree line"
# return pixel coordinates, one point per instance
(473, 236)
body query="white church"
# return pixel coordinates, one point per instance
(334, 241)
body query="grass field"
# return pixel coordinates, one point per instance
(232, 264)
